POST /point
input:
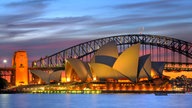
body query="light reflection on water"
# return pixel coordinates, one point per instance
(95, 101)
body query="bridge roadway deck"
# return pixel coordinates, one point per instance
(170, 66)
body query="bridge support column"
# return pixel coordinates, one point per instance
(20, 62)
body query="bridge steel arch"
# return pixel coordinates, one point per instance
(85, 50)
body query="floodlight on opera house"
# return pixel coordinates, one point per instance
(108, 64)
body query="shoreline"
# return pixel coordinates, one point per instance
(86, 92)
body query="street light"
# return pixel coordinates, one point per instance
(5, 62)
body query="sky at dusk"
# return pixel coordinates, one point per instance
(44, 27)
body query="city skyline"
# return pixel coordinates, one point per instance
(43, 27)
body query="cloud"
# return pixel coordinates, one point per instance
(128, 19)
(19, 17)
(28, 26)
(131, 24)
(150, 4)
(21, 12)
(9, 34)
(175, 30)
(18, 31)
(82, 25)
(38, 23)
(28, 3)
(154, 7)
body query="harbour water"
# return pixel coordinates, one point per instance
(95, 101)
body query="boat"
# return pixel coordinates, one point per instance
(160, 94)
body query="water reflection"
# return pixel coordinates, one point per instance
(95, 101)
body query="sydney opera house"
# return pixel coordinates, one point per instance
(108, 65)
(109, 69)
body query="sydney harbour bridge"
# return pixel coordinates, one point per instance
(176, 53)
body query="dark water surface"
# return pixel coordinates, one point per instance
(95, 101)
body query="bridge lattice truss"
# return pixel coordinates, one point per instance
(161, 48)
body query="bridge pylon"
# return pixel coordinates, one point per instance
(20, 63)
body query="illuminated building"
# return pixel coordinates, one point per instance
(109, 70)
(20, 63)
(108, 65)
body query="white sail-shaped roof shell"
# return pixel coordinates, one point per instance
(158, 67)
(78, 66)
(88, 69)
(42, 75)
(144, 68)
(127, 62)
(109, 49)
(107, 60)
(103, 71)
(56, 75)
(46, 77)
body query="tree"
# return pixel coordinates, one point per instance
(3, 83)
